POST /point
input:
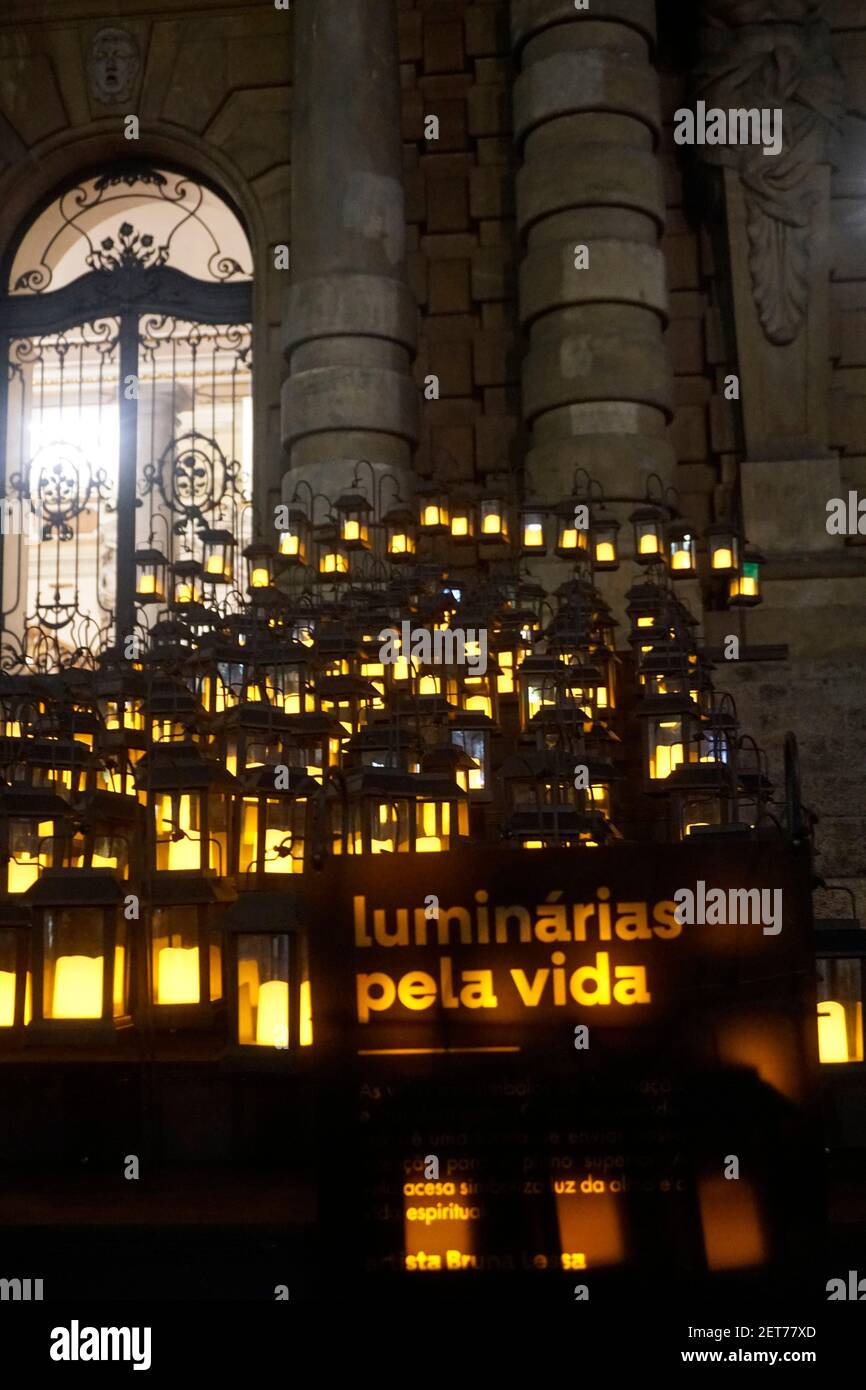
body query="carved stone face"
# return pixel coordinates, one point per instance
(112, 66)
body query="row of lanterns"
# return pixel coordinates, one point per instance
(158, 810)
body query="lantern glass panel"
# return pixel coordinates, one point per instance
(31, 850)
(389, 829)
(181, 812)
(473, 744)
(74, 961)
(840, 1010)
(666, 747)
(175, 955)
(263, 990)
(9, 958)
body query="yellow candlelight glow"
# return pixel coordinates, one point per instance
(832, 1032)
(428, 844)
(460, 526)
(7, 998)
(260, 579)
(78, 987)
(272, 1019)
(722, 558)
(177, 976)
(399, 544)
(289, 543)
(351, 531)
(306, 1015)
(275, 863)
(666, 759)
(215, 565)
(568, 539)
(119, 972)
(432, 516)
(492, 524)
(649, 543)
(681, 560)
(22, 876)
(147, 584)
(605, 553)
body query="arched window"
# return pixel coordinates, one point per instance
(125, 413)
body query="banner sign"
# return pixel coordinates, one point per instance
(542, 1058)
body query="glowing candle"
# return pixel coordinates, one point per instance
(289, 544)
(177, 976)
(78, 987)
(460, 526)
(605, 553)
(428, 844)
(306, 1015)
(533, 534)
(215, 565)
(649, 543)
(7, 998)
(722, 558)
(260, 579)
(351, 531)
(273, 1013)
(119, 981)
(147, 584)
(492, 524)
(832, 1032)
(681, 560)
(568, 540)
(22, 876)
(398, 545)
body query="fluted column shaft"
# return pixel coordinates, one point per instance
(351, 320)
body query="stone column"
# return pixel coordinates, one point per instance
(596, 378)
(351, 319)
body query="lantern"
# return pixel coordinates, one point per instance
(533, 540)
(33, 826)
(353, 514)
(332, 556)
(384, 811)
(539, 681)
(724, 547)
(16, 976)
(400, 535)
(81, 956)
(682, 551)
(150, 576)
(493, 526)
(190, 800)
(462, 523)
(294, 543)
(259, 559)
(840, 947)
(186, 582)
(669, 723)
(603, 542)
(217, 562)
(433, 514)
(270, 1009)
(648, 525)
(271, 821)
(471, 732)
(185, 968)
(744, 588)
(702, 798)
(316, 743)
(572, 539)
